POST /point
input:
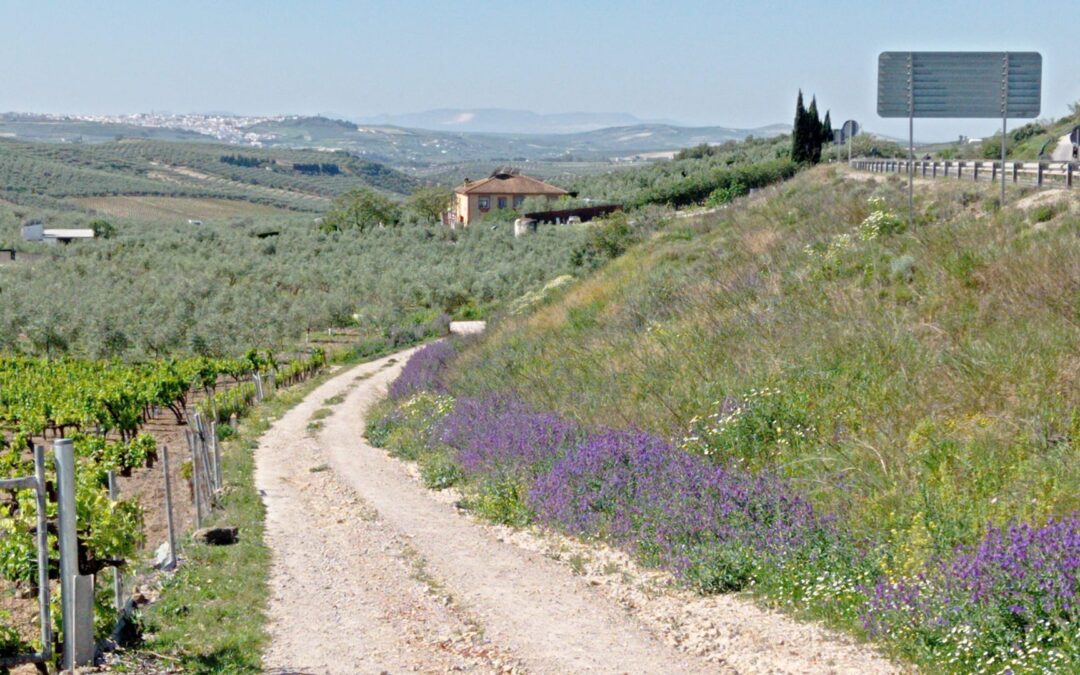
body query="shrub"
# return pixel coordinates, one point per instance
(439, 471)
(881, 222)
(756, 428)
(726, 193)
(501, 501)
(696, 189)
(1043, 213)
(225, 431)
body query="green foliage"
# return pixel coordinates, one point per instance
(991, 147)
(697, 189)
(608, 237)
(500, 501)
(721, 569)
(666, 182)
(225, 432)
(439, 471)
(103, 229)
(1043, 213)
(427, 204)
(808, 133)
(10, 642)
(152, 292)
(759, 428)
(361, 209)
(725, 194)
(1029, 130)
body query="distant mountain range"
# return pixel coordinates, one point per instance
(406, 144)
(503, 121)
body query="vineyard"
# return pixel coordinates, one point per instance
(105, 408)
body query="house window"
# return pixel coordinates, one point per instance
(518, 201)
(502, 202)
(484, 203)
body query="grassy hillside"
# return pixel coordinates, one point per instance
(875, 401)
(963, 330)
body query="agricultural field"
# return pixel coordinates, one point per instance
(691, 175)
(48, 175)
(120, 417)
(221, 289)
(177, 210)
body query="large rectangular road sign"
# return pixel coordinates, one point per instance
(960, 84)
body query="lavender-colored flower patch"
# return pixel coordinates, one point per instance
(424, 370)
(683, 511)
(632, 487)
(1018, 573)
(500, 436)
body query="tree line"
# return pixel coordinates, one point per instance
(809, 132)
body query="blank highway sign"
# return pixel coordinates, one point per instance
(960, 84)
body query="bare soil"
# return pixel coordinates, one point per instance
(374, 573)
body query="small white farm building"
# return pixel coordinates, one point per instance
(35, 231)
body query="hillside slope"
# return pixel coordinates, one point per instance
(914, 384)
(53, 175)
(961, 334)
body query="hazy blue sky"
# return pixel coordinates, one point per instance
(731, 63)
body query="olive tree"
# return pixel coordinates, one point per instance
(362, 209)
(428, 203)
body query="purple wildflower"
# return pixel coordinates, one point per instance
(424, 370)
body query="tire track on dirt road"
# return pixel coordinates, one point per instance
(370, 574)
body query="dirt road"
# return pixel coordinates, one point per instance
(372, 573)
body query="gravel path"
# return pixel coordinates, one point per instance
(373, 573)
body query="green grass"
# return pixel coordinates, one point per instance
(211, 612)
(315, 422)
(918, 382)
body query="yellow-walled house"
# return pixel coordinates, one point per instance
(505, 189)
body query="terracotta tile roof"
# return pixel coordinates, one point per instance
(507, 184)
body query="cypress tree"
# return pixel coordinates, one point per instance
(813, 134)
(798, 132)
(826, 129)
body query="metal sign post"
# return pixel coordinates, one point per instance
(959, 85)
(64, 451)
(1004, 118)
(911, 141)
(849, 131)
(76, 590)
